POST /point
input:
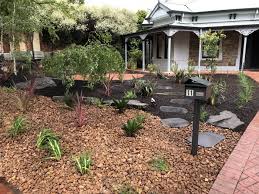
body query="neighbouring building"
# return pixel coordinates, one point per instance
(173, 30)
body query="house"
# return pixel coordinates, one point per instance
(173, 30)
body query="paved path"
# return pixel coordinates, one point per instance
(253, 74)
(240, 173)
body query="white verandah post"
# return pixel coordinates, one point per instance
(169, 54)
(244, 53)
(200, 53)
(126, 53)
(143, 37)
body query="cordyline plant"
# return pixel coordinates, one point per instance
(211, 45)
(79, 110)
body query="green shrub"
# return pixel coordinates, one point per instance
(190, 68)
(18, 126)
(145, 87)
(133, 126)
(203, 114)
(121, 105)
(152, 68)
(247, 89)
(49, 141)
(159, 164)
(83, 163)
(178, 73)
(9, 89)
(130, 95)
(218, 90)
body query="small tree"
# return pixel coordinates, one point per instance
(211, 42)
(106, 62)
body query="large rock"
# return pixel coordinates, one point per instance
(181, 101)
(92, 100)
(172, 109)
(175, 122)
(40, 83)
(225, 119)
(137, 104)
(208, 139)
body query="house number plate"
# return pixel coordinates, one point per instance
(189, 92)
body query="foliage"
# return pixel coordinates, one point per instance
(121, 105)
(18, 126)
(218, 90)
(159, 164)
(133, 126)
(210, 41)
(67, 63)
(141, 15)
(247, 89)
(127, 189)
(79, 110)
(106, 61)
(135, 55)
(203, 114)
(130, 94)
(9, 89)
(152, 68)
(49, 141)
(68, 99)
(23, 98)
(190, 68)
(83, 163)
(145, 87)
(178, 73)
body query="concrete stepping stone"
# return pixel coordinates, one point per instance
(172, 109)
(137, 104)
(181, 101)
(225, 119)
(208, 139)
(170, 93)
(175, 122)
(160, 87)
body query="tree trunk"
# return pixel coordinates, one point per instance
(13, 40)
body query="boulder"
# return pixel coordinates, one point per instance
(40, 83)
(208, 139)
(137, 104)
(175, 122)
(92, 100)
(225, 119)
(172, 109)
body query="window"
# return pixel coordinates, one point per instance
(194, 18)
(178, 18)
(219, 54)
(232, 16)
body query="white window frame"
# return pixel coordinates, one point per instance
(220, 55)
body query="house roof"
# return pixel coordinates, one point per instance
(210, 5)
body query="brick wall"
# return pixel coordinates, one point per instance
(229, 49)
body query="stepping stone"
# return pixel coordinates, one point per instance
(175, 122)
(208, 139)
(164, 87)
(172, 109)
(137, 104)
(225, 119)
(170, 93)
(181, 101)
(40, 83)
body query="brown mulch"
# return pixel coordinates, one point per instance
(117, 160)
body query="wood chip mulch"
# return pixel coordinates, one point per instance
(117, 160)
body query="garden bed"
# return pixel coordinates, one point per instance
(117, 160)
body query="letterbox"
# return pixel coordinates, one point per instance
(197, 89)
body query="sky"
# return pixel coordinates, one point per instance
(133, 5)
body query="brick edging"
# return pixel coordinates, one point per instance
(236, 169)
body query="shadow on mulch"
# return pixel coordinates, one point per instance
(6, 188)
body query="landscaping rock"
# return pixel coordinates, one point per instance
(92, 100)
(175, 122)
(173, 109)
(225, 119)
(58, 98)
(170, 93)
(164, 87)
(181, 101)
(40, 83)
(137, 104)
(208, 139)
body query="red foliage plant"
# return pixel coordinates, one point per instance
(79, 110)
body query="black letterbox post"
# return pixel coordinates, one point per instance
(198, 90)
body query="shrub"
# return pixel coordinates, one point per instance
(79, 110)
(145, 87)
(190, 68)
(83, 163)
(9, 89)
(133, 126)
(152, 68)
(130, 94)
(121, 104)
(178, 73)
(204, 114)
(18, 126)
(68, 99)
(49, 141)
(159, 164)
(218, 90)
(246, 90)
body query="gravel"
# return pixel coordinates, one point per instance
(117, 160)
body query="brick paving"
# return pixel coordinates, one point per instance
(240, 173)
(253, 74)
